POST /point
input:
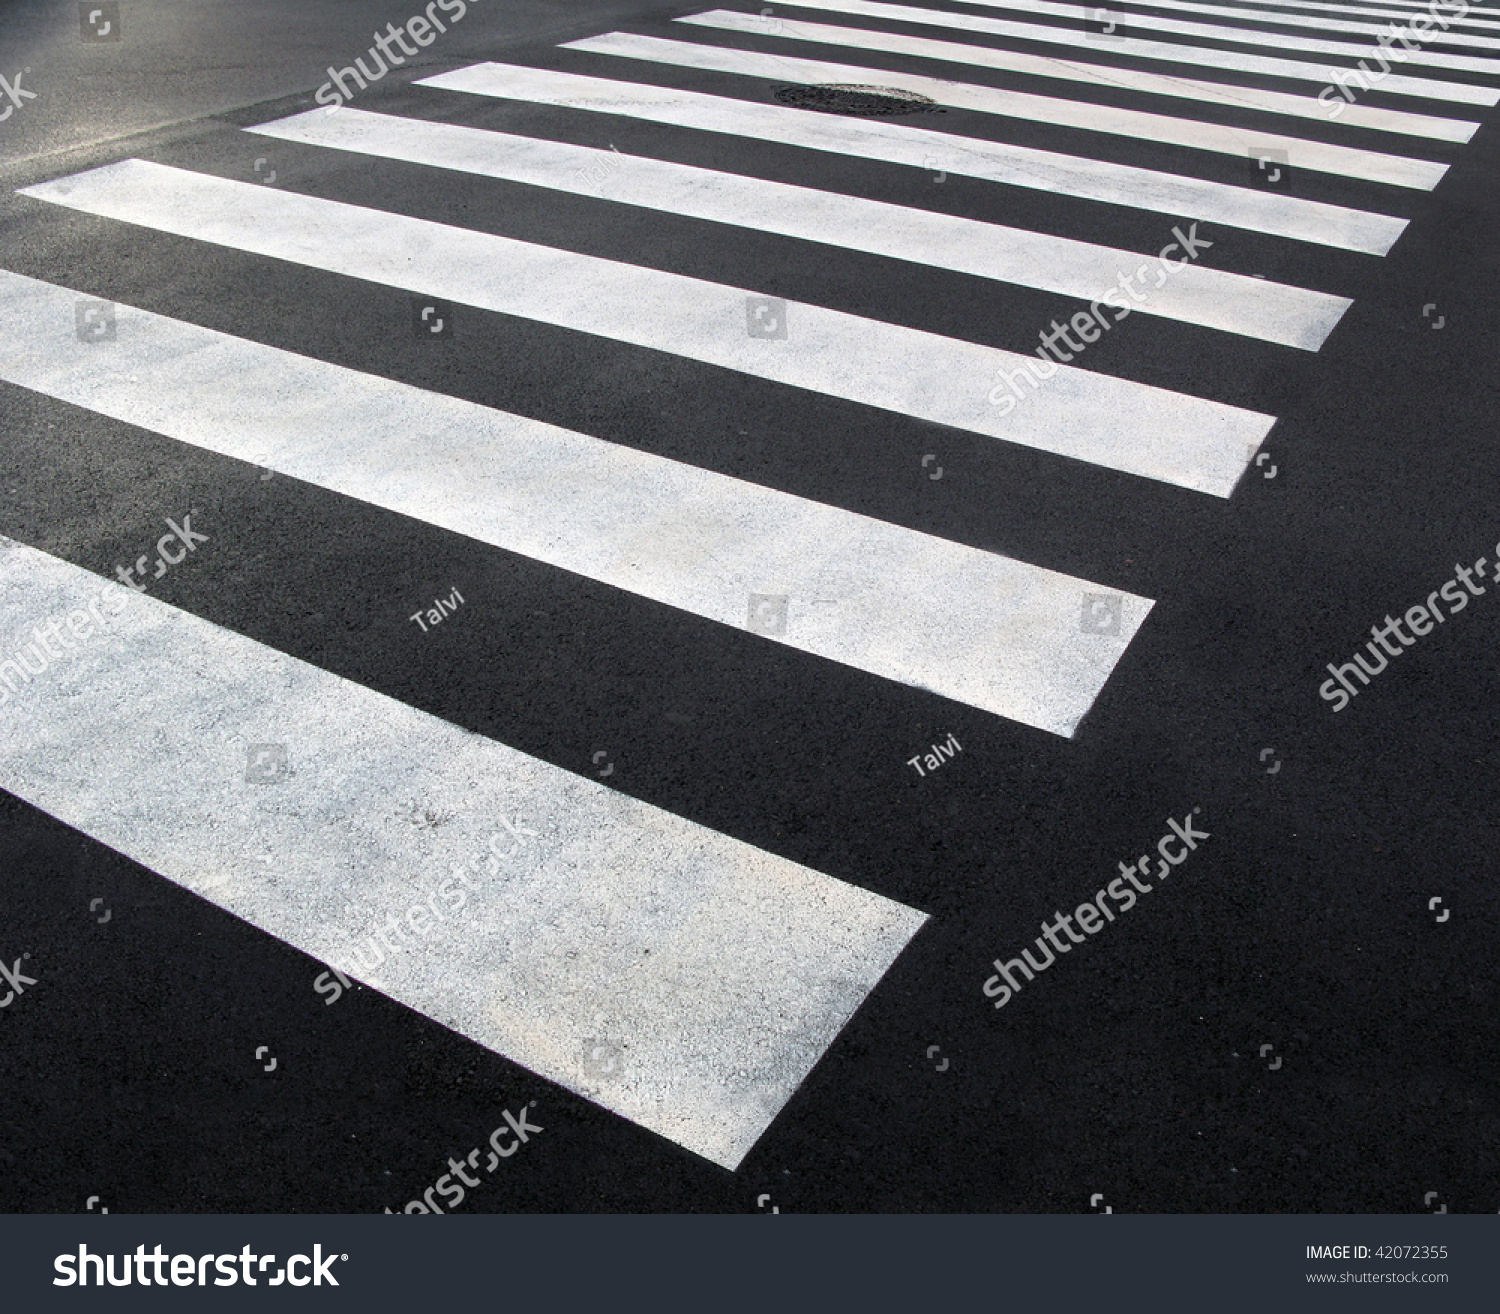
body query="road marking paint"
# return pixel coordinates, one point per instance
(1389, 10)
(1184, 440)
(974, 626)
(1090, 116)
(1297, 47)
(1199, 295)
(1130, 47)
(1019, 166)
(1258, 16)
(725, 971)
(1098, 75)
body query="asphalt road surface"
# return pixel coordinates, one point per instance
(556, 656)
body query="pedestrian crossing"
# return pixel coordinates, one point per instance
(1096, 75)
(1402, 9)
(891, 601)
(716, 972)
(1398, 170)
(1398, 9)
(1323, 22)
(1144, 48)
(1194, 443)
(1298, 44)
(927, 148)
(1211, 298)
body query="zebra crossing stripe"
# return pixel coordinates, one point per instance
(1100, 180)
(1097, 75)
(1211, 298)
(1323, 157)
(1320, 22)
(714, 973)
(1183, 440)
(983, 629)
(1130, 47)
(1297, 46)
(1388, 10)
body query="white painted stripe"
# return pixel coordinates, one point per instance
(974, 626)
(1298, 47)
(1003, 162)
(1388, 9)
(1138, 48)
(1434, 34)
(1211, 298)
(1401, 9)
(1408, 5)
(1323, 157)
(718, 972)
(1098, 75)
(1183, 440)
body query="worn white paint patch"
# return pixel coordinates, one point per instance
(1095, 75)
(1188, 441)
(1197, 294)
(924, 148)
(716, 974)
(974, 626)
(1307, 70)
(1322, 157)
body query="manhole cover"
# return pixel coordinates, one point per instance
(852, 98)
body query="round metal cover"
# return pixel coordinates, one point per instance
(853, 98)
